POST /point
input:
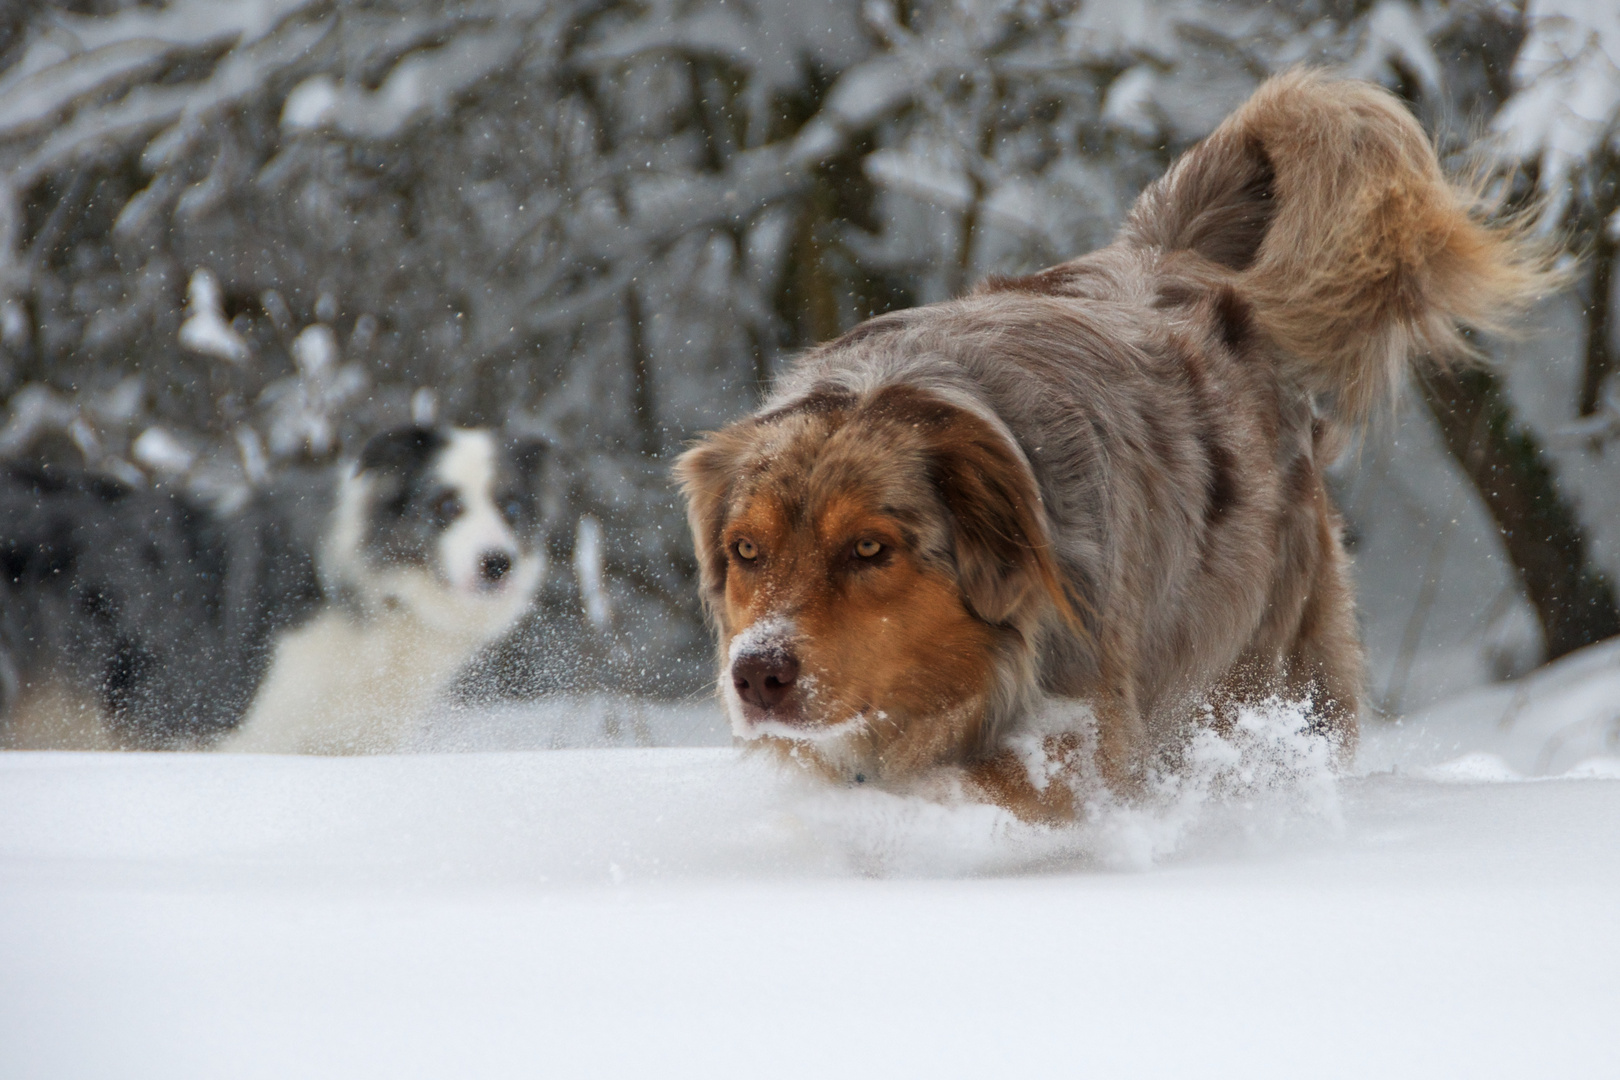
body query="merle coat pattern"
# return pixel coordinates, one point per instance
(1115, 465)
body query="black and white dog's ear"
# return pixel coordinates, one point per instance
(391, 459)
(529, 456)
(401, 450)
(532, 458)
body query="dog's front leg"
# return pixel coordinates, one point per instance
(1121, 744)
(1040, 791)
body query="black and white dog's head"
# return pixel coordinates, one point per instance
(445, 522)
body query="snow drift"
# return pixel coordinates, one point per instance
(679, 911)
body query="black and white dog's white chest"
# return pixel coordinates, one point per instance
(323, 616)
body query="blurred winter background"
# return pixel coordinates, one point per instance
(239, 237)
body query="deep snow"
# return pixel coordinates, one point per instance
(1452, 908)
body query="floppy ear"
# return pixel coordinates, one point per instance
(400, 449)
(392, 457)
(529, 456)
(705, 474)
(1002, 543)
(532, 484)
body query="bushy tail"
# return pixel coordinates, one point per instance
(1326, 199)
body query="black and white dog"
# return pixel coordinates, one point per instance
(324, 616)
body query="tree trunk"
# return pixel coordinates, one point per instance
(643, 406)
(1599, 319)
(1573, 599)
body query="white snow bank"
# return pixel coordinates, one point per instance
(679, 912)
(693, 911)
(575, 723)
(1547, 724)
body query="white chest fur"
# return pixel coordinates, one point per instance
(341, 686)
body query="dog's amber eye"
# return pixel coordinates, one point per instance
(746, 550)
(867, 549)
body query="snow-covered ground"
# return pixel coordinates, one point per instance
(1450, 909)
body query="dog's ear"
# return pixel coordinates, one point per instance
(1001, 539)
(531, 484)
(400, 450)
(705, 474)
(529, 456)
(390, 459)
(1003, 546)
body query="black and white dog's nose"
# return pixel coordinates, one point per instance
(494, 566)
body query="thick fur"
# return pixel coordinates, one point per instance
(321, 617)
(1113, 468)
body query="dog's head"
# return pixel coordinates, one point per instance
(445, 521)
(869, 560)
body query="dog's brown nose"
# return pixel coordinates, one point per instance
(764, 679)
